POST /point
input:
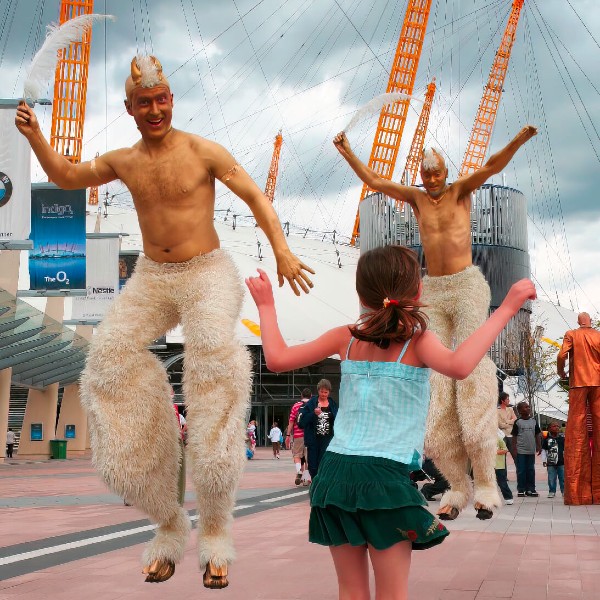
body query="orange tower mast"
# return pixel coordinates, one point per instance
(413, 161)
(488, 108)
(70, 86)
(402, 79)
(274, 169)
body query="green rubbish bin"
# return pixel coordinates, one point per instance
(58, 449)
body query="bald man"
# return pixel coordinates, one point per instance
(183, 277)
(582, 466)
(462, 423)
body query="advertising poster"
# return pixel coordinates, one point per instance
(102, 266)
(57, 261)
(127, 262)
(15, 177)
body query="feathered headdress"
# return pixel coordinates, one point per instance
(375, 105)
(43, 65)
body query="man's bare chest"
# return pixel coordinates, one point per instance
(168, 181)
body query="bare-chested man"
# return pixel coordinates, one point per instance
(183, 277)
(462, 420)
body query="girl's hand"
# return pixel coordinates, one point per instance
(517, 295)
(260, 289)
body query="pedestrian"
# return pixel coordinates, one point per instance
(501, 472)
(317, 419)
(526, 442)
(506, 419)
(553, 458)
(295, 437)
(10, 442)
(275, 437)
(363, 505)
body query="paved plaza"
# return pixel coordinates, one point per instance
(64, 536)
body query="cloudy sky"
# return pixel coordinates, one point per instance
(243, 69)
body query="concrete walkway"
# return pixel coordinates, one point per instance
(65, 536)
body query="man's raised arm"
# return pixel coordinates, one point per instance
(403, 193)
(289, 267)
(60, 171)
(496, 163)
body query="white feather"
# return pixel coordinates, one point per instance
(375, 105)
(43, 65)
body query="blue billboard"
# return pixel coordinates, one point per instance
(57, 261)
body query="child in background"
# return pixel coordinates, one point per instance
(553, 457)
(275, 437)
(362, 502)
(501, 474)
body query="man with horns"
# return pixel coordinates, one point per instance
(183, 277)
(462, 423)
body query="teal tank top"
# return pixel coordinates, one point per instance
(382, 410)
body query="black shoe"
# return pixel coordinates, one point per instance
(521, 494)
(533, 494)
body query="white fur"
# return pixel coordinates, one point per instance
(134, 431)
(150, 73)
(462, 420)
(431, 158)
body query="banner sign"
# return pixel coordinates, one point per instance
(57, 261)
(15, 177)
(102, 261)
(127, 262)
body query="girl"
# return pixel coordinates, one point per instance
(362, 502)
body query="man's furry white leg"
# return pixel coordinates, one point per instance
(480, 430)
(169, 540)
(133, 431)
(217, 386)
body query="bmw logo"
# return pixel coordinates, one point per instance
(5, 189)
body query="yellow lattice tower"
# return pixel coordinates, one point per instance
(274, 169)
(415, 154)
(488, 108)
(70, 86)
(402, 79)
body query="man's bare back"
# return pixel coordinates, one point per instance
(443, 211)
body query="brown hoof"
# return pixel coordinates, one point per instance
(159, 570)
(448, 516)
(215, 578)
(484, 514)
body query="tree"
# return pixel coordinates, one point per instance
(533, 360)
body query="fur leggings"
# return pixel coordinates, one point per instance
(462, 423)
(127, 396)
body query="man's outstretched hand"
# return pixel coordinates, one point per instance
(290, 268)
(340, 141)
(25, 119)
(527, 133)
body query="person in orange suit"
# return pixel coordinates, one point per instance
(582, 463)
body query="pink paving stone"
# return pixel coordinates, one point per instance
(275, 561)
(497, 589)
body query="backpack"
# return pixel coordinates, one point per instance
(552, 453)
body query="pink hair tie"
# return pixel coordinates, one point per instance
(387, 302)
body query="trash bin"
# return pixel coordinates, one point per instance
(58, 449)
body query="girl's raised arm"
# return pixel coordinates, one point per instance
(459, 363)
(278, 355)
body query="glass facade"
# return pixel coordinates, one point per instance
(499, 242)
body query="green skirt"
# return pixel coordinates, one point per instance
(360, 500)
